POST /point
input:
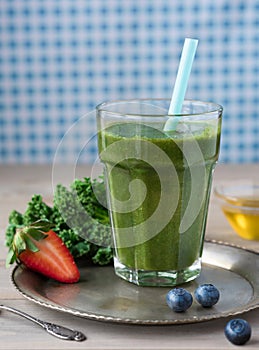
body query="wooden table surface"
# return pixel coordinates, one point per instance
(17, 184)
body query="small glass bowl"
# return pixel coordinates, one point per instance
(240, 204)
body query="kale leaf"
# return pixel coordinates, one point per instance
(79, 218)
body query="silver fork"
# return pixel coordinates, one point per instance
(54, 329)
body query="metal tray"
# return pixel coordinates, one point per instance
(102, 296)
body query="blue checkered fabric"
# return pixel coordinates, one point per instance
(58, 59)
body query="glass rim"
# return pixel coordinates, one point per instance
(215, 108)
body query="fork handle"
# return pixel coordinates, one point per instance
(52, 328)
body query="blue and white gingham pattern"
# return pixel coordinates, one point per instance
(58, 59)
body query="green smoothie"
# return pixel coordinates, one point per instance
(168, 249)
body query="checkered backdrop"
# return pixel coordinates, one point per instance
(58, 59)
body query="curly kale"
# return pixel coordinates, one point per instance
(79, 218)
(96, 203)
(15, 220)
(82, 211)
(37, 209)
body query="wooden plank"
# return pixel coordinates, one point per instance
(16, 333)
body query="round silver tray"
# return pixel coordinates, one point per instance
(102, 296)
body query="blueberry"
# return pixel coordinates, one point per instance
(179, 299)
(238, 331)
(207, 295)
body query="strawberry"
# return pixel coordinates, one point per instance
(42, 250)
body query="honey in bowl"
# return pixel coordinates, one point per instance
(240, 204)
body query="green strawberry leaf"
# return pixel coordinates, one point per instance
(30, 245)
(42, 225)
(18, 243)
(11, 257)
(35, 233)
